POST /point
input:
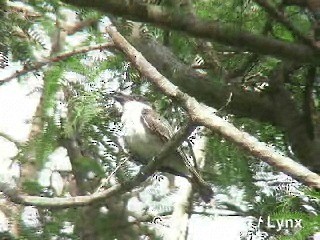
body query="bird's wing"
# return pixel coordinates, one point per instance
(156, 124)
(161, 127)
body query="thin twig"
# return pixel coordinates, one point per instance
(103, 184)
(9, 138)
(284, 21)
(37, 65)
(64, 202)
(227, 103)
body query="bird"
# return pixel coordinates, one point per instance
(145, 133)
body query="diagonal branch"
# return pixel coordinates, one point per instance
(57, 202)
(200, 114)
(60, 57)
(10, 139)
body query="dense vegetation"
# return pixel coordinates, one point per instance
(256, 62)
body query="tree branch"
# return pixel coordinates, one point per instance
(60, 57)
(58, 202)
(300, 3)
(10, 139)
(177, 20)
(288, 116)
(213, 92)
(206, 89)
(309, 108)
(200, 114)
(282, 19)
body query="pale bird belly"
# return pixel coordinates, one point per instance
(146, 146)
(141, 143)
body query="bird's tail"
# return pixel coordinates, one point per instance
(205, 192)
(203, 188)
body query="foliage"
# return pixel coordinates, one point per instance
(19, 49)
(90, 127)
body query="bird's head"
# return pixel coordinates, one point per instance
(122, 98)
(131, 102)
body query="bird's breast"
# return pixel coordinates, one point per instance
(140, 140)
(145, 145)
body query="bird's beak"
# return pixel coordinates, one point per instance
(119, 98)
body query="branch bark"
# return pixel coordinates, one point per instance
(289, 117)
(177, 20)
(275, 106)
(211, 91)
(58, 202)
(201, 115)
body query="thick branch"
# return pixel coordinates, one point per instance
(206, 89)
(200, 114)
(288, 116)
(278, 108)
(308, 103)
(228, 35)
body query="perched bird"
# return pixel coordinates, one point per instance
(145, 133)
